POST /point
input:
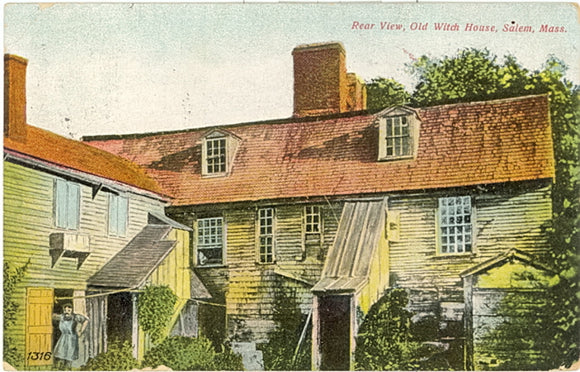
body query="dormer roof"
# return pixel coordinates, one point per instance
(459, 145)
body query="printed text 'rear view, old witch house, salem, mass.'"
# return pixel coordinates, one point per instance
(336, 202)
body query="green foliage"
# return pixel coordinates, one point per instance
(119, 357)
(384, 340)
(191, 354)
(11, 279)
(156, 305)
(475, 75)
(523, 339)
(383, 92)
(279, 352)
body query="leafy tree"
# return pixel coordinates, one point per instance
(12, 276)
(475, 75)
(282, 341)
(383, 92)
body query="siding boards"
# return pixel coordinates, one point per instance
(28, 223)
(248, 285)
(508, 219)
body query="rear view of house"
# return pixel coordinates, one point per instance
(91, 229)
(341, 204)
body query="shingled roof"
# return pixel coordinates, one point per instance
(459, 145)
(66, 153)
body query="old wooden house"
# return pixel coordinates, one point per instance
(92, 230)
(342, 203)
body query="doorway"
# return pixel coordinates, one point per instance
(120, 317)
(335, 332)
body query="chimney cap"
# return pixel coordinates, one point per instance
(16, 58)
(320, 46)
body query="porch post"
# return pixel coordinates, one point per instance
(135, 327)
(315, 335)
(468, 322)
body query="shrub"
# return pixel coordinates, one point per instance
(385, 341)
(119, 357)
(12, 277)
(156, 305)
(282, 341)
(191, 354)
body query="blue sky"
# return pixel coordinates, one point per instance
(126, 68)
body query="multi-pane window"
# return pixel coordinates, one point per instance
(312, 220)
(67, 204)
(215, 155)
(210, 241)
(398, 137)
(455, 224)
(118, 211)
(266, 235)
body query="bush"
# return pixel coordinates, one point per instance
(191, 354)
(385, 341)
(119, 357)
(156, 305)
(282, 341)
(12, 276)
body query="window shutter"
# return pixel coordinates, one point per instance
(394, 226)
(382, 138)
(60, 196)
(73, 208)
(113, 220)
(122, 216)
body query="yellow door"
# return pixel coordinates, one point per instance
(39, 303)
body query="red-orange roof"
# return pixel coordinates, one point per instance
(75, 155)
(459, 145)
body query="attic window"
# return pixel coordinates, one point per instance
(218, 149)
(397, 135)
(215, 155)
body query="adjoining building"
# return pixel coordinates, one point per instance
(91, 230)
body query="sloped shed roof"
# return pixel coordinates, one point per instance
(348, 262)
(459, 145)
(131, 267)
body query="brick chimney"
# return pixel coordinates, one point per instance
(15, 97)
(321, 83)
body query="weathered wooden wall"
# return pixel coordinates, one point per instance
(508, 217)
(29, 221)
(245, 285)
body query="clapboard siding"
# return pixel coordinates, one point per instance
(246, 285)
(511, 218)
(29, 221)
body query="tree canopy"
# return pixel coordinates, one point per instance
(478, 75)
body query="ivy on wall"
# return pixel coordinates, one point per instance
(155, 309)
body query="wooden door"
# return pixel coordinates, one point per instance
(39, 306)
(335, 332)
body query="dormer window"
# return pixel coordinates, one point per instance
(398, 132)
(216, 155)
(218, 149)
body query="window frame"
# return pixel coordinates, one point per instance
(442, 223)
(70, 188)
(218, 158)
(407, 134)
(262, 257)
(307, 223)
(114, 206)
(210, 246)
